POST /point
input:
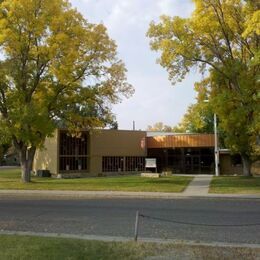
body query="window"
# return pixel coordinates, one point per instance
(120, 163)
(134, 164)
(112, 164)
(72, 152)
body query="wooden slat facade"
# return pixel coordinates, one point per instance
(185, 140)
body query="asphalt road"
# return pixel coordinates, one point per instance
(116, 217)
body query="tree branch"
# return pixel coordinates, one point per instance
(223, 24)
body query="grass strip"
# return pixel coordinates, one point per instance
(10, 179)
(235, 184)
(37, 248)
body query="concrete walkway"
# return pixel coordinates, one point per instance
(199, 186)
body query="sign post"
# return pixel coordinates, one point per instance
(136, 225)
(150, 163)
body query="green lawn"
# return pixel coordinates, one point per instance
(10, 179)
(26, 247)
(235, 184)
(42, 248)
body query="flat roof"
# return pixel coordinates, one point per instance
(160, 133)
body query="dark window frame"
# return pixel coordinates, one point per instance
(73, 152)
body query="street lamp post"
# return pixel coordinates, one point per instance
(216, 150)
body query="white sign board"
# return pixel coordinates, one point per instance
(150, 163)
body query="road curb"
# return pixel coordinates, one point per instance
(54, 194)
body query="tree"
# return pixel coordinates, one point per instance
(160, 127)
(3, 149)
(196, 120)
(221, 38)
(199, 116)
(54, 67)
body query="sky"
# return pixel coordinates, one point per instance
(127, 21)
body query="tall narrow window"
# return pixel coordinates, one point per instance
(122, 164)
(134, 163)
(112, 164)
(72, 152)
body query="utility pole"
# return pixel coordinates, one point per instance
(216, 150)
(133, 125)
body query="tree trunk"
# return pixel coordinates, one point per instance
(26, 158)
(246, 165)
(26, 173)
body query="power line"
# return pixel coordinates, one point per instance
(199, 224)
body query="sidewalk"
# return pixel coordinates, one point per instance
(198, 188)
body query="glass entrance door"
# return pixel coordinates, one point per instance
(188, 164)
(192, 164)
(196, 164)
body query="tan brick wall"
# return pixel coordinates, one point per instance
(114, 143)
(256, 168)
(117, 143)
(47, 158)
(226, 166)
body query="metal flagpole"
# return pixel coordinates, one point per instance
(216, 146)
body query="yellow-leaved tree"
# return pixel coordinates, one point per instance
(222, 39)
(55, 68)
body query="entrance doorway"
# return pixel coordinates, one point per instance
(192, 164)
(193, 160)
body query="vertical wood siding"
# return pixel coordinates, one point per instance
(190, 140)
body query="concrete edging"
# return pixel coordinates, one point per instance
(54, 194)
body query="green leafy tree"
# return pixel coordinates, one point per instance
(199, 117)
(196, 120)
(54, 67)
(221, 38)
(160, 127)
(3, 149)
